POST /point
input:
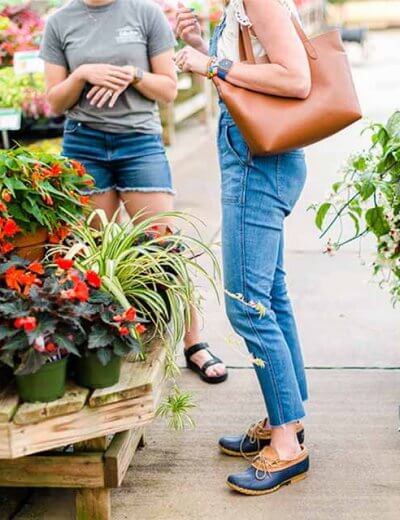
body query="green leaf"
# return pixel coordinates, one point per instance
(66, 344)
(360, 164)
(356, 222)
(104, 355)
(99, 337)
(367, 189)
(376, 221)
(321, 214)
(393, 125)
(18, 342)
(31, 362)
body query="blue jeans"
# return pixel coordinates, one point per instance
(130, 161)
(258, 193)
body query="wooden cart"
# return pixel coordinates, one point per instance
(85, 440)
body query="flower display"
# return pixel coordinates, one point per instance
(49, 312)
(40, 190)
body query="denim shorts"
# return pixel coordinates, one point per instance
(131, 161)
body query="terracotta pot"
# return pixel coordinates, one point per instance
(31, 245)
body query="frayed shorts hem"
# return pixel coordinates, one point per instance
(126, 190)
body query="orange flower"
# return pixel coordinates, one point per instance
(140, 328)
(93, 279)
(3, 207)
(47, 199)
(81, 292)
(59, 234)
(89, 182)
(29, 279)
(84, 199)
(51, 347)
(6, 247)
(10, 228)
(6, 196)
(36, 267)
(78, 167)
(14, 278)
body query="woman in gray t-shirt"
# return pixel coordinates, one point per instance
(107, 63)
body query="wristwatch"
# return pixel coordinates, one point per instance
(139, 73)
(224, 66)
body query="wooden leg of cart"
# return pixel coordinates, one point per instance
(94, 503)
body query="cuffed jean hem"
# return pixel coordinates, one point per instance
(147, 189)
(294, 421)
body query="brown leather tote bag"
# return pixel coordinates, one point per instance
(272, 124)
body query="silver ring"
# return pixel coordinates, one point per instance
(110, 93)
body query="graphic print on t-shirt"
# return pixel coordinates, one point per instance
(129, 34)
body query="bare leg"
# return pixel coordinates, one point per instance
(284, 441)
(108, 201)
(154, 202)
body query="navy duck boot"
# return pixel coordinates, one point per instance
(268, 473)
(252, 442)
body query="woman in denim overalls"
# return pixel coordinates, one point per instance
(258, 193)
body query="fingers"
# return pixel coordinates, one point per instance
(114, 98)
(92, 92)
(123, 74)
(107, 95)
(101, 92)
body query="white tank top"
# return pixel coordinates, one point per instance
(228, 44)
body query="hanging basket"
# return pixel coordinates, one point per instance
(31, 246)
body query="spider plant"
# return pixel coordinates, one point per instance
(143, 268)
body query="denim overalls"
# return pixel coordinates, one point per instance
(258, 193)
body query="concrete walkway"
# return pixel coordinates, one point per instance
(351, 339)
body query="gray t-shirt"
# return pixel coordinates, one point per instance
(124, 32)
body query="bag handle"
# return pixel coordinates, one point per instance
(246, 48)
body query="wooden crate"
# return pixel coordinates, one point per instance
(82, 415)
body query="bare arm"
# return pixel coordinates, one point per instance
(189, 30)
(63, 90)
(159, 85)
(288, 72)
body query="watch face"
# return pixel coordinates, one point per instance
(225, 64)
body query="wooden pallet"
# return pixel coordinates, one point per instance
(82, 415)
(95, 433)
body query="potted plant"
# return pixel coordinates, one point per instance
(42, 194)
(142, 267)
(368, 196)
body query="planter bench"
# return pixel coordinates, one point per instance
(85, 440)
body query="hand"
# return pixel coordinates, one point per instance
(188, 28)
(99, 96)
(103, 75)
(191, 60)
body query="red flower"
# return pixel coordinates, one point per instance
(36, 267)
(89, 182)
(6, 196)
(84, 199)
(10, 228)
(59, 234)
(28, 324)
(64, 263)
(118, 318)
(3, 207)
(55, 170)
(51, 347)
(130, 314)
(6, 247)
(93, 279)
(124, 331)
(140, 328)
(81, 292)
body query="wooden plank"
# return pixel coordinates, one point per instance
(93, 504)
(137, 378)
(86, 424)
(98, 444)
(8, 403)
(119, 456)
(73, 400)
(59, 471)
(5, 443)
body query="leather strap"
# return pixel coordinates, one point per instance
(210, 363)
(196, 348)
(246, 48)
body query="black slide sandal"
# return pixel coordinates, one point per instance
(202, 371)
